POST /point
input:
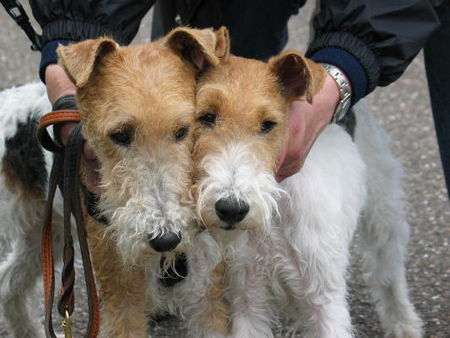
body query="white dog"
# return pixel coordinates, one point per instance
(287, 245)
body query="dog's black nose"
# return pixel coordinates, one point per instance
(231, 210)
(166, 242)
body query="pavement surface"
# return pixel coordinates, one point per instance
(404, 110)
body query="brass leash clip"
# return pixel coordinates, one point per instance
(67, 325)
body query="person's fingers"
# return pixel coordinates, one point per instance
(283, 152)
(305, 122)
(89, 153)
(290, 156)
(64, 130)
(92, 175)
(91, 165)
(58, 83)
(88, 157)
(288, 170)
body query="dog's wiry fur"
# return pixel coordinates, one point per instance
(287, 256)
(146, 95)
(289, 253)
(21, 219)
(150, 92)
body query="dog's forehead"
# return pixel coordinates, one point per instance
(149, 83)
(242, 85)
(152, 66)
(239, 73)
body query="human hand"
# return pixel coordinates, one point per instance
(88, 158)
(305, 122)
(59, 85)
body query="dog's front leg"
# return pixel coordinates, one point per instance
(316, 226)
(122, 289)
(208, 315)
(19, 273)
(199, 297)
(312, 269)
(248, 295)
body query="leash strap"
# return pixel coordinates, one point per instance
(54, 118)
(16, 11)
(48, 271)
(67, 167)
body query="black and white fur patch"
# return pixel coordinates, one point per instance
(25, 156)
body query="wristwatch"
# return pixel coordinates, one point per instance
(345, 91)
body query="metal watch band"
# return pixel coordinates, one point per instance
(345, 91)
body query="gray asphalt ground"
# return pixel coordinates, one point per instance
(404, 110)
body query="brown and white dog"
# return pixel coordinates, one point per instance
(137, 107)
(287, 245)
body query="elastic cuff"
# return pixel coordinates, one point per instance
(49, 56)
(354, 46)
(65, 31)
(349, 65)
(79, 31)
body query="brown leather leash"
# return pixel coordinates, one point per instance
(65, 169)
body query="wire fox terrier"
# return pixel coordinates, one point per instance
(137, 107)
(287, 245)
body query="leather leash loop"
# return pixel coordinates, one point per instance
(66, 165)
(66, 299)
(48, 271)
(54, 118)
(71, 176)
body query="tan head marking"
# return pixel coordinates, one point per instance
(298, 76)
(223, 43)
(79, 59)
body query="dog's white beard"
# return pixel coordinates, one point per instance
(236, 171)
(145, 204)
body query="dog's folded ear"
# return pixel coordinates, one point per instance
(299, 76)
(201, 47)
(79, 59)
(222, 48)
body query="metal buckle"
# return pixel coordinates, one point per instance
(67, 325)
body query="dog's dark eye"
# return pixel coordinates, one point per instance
(124, 136)
(181, 133)
(267, 126)
(208, 119)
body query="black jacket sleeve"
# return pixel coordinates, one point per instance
(383, 35)
(84, 19)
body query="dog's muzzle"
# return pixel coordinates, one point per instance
(166, 242)
(231, 210)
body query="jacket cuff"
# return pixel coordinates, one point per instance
(356, 48)
(349, 65)
(49, 56)
(65, 31)
(79, 30)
